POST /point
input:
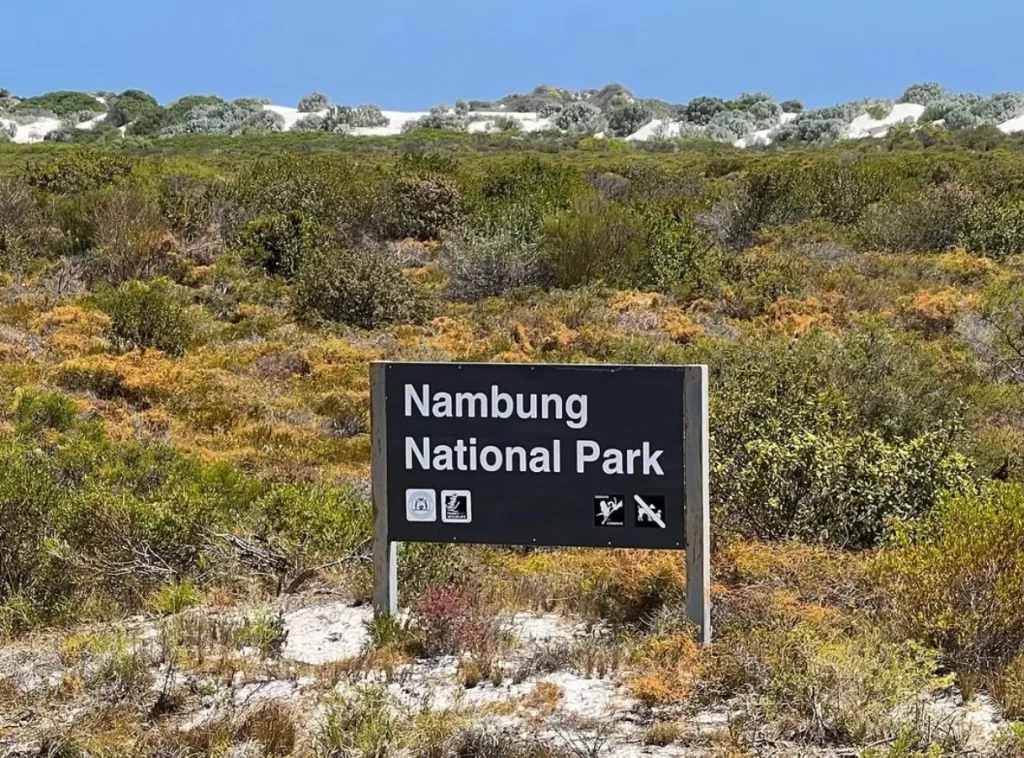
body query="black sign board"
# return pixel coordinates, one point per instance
(519, 454)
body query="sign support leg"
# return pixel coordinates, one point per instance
(385, 552)
(698, 532)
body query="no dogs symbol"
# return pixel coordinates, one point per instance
(650, 511)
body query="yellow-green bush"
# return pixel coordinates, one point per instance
(148, 316)
(953, 579)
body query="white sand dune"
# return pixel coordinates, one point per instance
(291, 116)
(35, 131)
(867, 126)
(658, 128)
(92, 123)
(397, 119)
(484, 121)
(1014, 125)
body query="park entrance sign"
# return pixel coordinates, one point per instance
(545, 455)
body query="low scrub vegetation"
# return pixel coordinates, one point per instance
(185, 330)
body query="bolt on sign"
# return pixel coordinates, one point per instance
(545, 455)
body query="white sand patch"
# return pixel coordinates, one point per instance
(397, 120)
(92, 123)
(979, 719)
(658, 128)
(32, 670)
(261, 692)
(36, 131)
(326, 634)
(1014, 125)
(530, 122)
(587, 697)
(867, 126)
(547, 627)
(291, 116)
(756, 139)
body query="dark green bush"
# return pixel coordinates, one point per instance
(63, 103)
(187, 204)
(329, 189)
(280, 243)
(763, 197)
(130, 106)
(148, 316)
(356, 287)
(930, 222)
(628, 118)
(424, 207)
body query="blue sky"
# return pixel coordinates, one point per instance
(410, 54)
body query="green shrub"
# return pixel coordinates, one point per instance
(281, 242)
(129, 236)
(29, 494)
(186, 203)
(994, 228)
(627, 119)
(595, 241)
(36, 411)
(424, 207)
(953, 578)
(130, 106)
(148, 316)
(764, 197)
(355, 287)
(18, 219)
(825, 686)
(176, 597)
(481, 266)
(62, 103)
(516, 195)
(843, 191)
(681, 255)
(931, 222)
(361, 724)
(314, 101)
(79, 171)
(824, 439)
(837, 489)
(329, 189)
